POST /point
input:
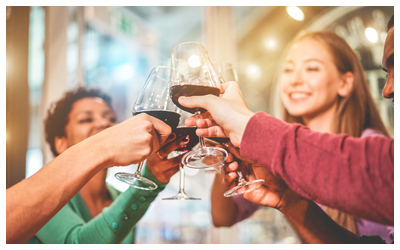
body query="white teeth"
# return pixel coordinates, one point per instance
(298, 95)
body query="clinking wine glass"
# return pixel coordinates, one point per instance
(227, 73)
(190, 132)
(153, 100)
(199, 78)
(243, 186)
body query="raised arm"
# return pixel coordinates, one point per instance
(31, 203)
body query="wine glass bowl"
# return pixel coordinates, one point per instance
(226, 72)
(154, 100)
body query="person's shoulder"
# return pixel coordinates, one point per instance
(370, 132)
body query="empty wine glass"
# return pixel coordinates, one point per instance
(226, 72)
(243, 185)
(153, 100)
(190, 132)
(199, 78)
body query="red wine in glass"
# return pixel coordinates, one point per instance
(169, 117)
(191, 133)
(191, 90)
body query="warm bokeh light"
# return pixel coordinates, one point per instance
(194, 61)
(295, 12)
(253, 71)
(270, 43)
(371, 35)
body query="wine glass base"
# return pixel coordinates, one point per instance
(136, 181)
(244, 187)
(181, 196)
(205, 157)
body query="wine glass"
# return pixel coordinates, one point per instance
(190, 132)
(226, 72)
(153, 100)
(243, 185)
(199, 78)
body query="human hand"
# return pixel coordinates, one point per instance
(130, 141)
(226, 116)
(161, 167)
(269, 194)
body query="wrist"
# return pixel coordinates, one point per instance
(290, 202)
(94, 150)
(240, 127)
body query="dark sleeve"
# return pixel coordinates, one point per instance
(245, 208)
(354, 175)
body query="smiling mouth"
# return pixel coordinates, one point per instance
(298, 95)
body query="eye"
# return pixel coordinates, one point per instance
(287, 70)
(85, 120)
(312, 69)
(113, 119)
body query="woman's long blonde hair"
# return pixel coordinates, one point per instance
(355, 112)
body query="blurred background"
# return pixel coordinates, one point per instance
(51, 50)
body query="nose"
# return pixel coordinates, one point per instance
(103, 123)
(388, 89)
(297, 77)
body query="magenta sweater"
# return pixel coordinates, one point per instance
(354, 175)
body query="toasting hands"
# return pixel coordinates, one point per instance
(226, 116)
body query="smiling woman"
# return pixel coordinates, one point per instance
(323, 86)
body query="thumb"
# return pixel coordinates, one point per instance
(204, 102)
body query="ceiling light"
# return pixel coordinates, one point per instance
(295, 12)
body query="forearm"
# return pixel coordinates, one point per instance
(117, 221)
(31, 203)
(350, 174)
(312, 223)
(223, 209)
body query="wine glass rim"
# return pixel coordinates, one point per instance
(198, 43)
(155, 71)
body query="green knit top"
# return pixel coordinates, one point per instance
(115, 224)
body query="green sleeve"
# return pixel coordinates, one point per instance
(111, 226)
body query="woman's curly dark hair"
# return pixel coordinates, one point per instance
(57, 114)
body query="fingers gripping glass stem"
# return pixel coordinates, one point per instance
(243, 186)
(204, 157)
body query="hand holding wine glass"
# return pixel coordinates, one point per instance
(226, 116)
(153, 100)
(269, 194)
(161, 165)
(199, 78)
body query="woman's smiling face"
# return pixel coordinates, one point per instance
(309, 81)
(87, 117)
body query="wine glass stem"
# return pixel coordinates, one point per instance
(201, 139)
(139, 169)
(181, 178)
(241, 179)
